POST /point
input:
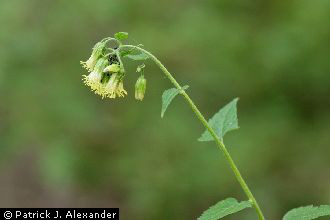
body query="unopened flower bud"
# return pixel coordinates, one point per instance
(140, 68)
(140, 88)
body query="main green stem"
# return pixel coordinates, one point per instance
(199, 115)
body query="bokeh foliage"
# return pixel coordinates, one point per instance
(61, 145)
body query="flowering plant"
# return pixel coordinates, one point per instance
(105, 78)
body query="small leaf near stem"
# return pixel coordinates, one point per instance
(140, 56)
(168, 96)
(121, 36)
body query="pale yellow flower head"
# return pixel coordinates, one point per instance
(93, 80)
(114, 87)
(106, 71)
(92, 60)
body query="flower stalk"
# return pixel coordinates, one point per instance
(199, 115)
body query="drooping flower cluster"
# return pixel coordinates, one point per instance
(105, 73)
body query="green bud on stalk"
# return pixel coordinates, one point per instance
(140, 88)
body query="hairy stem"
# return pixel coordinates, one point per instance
(199, 115)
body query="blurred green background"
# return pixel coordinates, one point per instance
(63, 146)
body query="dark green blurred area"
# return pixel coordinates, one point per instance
(63, 146)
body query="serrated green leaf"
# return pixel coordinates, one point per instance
(224, 208)
(168, 96)
(121, 35)
(140, 56)
(223, 121)
(307, 212)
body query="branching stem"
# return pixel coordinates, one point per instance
(199, 115)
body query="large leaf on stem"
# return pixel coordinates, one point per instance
(223, 121)
(307, 212)
(224, 208)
